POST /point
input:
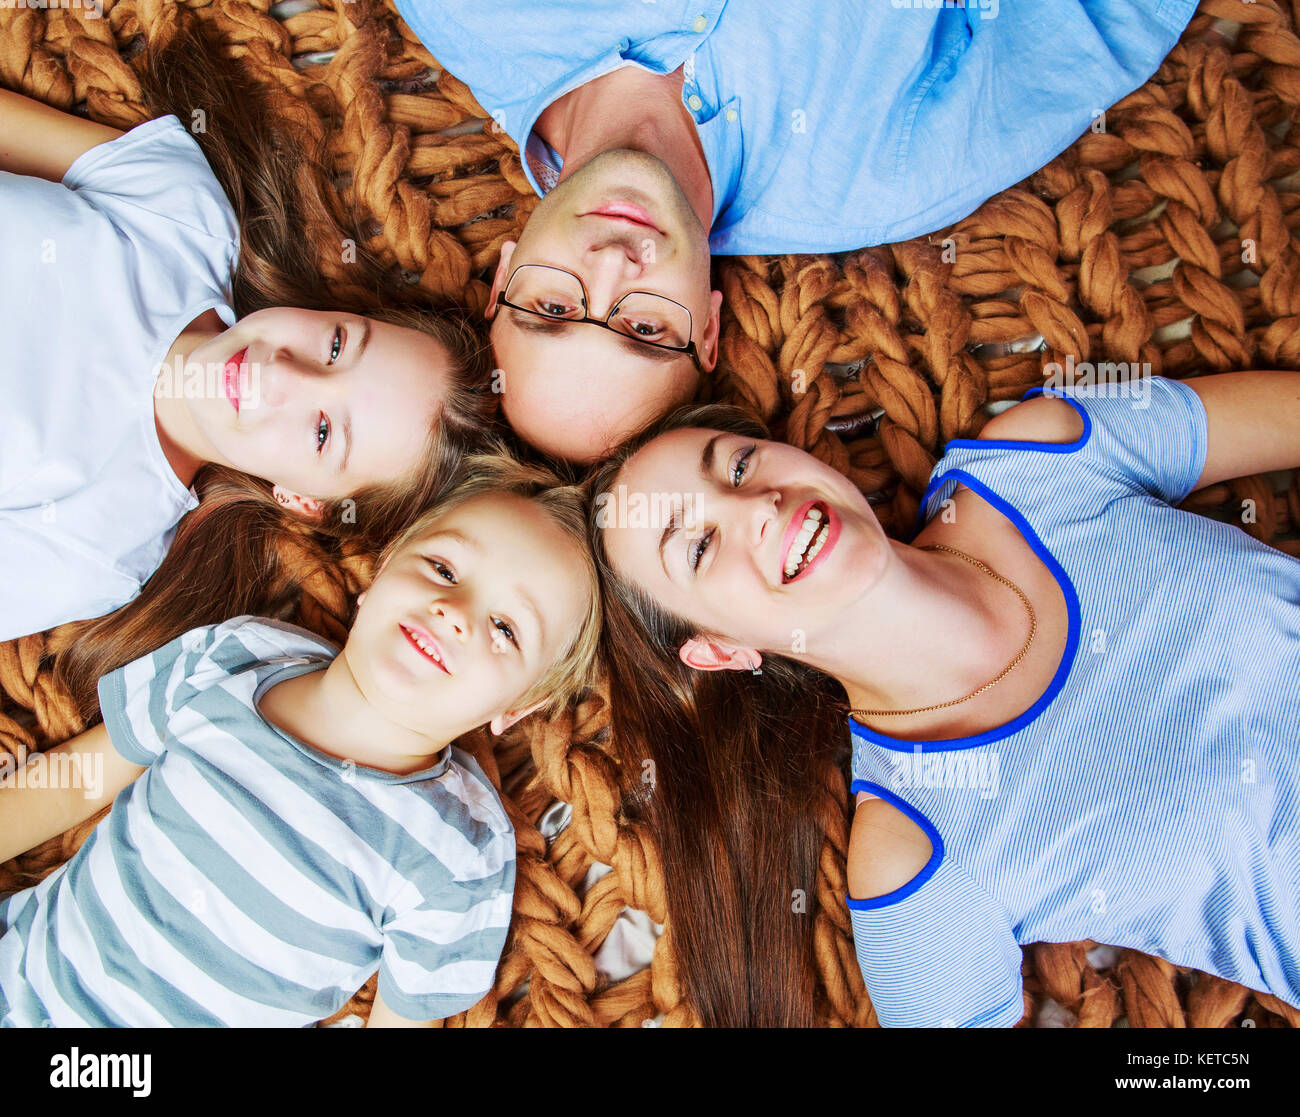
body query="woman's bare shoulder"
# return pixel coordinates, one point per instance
(886, 850)
(1041, 419)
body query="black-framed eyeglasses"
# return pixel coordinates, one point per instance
(558, 295)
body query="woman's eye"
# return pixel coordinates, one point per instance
(337, 345)
(322, 432)
(699, 548)
(503, 627)
(740, 466)
(442, 569)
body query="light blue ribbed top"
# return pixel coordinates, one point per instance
(1149, 798)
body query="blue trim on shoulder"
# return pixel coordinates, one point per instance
(936, 849)
(1067, 657)
(1003, 444)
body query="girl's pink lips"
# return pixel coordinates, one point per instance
(792, 529)
(234, 367)
(625, 211)
(412, 631)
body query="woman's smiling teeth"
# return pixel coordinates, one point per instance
(807, 543)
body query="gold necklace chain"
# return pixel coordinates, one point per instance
(1033, 628)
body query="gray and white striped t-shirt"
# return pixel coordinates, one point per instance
(248, 879)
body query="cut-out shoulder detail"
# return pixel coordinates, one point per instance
(886, 850)
(1041, 419)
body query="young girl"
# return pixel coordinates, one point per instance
(144, 341)
(292, 817)
(1073, 705)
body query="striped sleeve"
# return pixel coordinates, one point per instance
(943, 955)
(1150, 433)
(437, 962)
(139, 699)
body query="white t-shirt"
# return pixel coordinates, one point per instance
(98, 277)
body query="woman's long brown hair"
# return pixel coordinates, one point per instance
(240, 551)
(739, 781)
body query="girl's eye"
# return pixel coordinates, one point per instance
(322, 432)
(554, 309)
(740, 466)
(504, 628)
(699, 548)
(337, 346)
(443, 570)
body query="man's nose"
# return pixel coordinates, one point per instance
(608, 266)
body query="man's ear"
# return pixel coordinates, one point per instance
(501, 277)
(704, 655)
(712, 328)
(502, 722)
(308, 507)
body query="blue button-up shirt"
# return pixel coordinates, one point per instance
(829, 125)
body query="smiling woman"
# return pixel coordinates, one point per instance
(1061, 728)
(195, 360)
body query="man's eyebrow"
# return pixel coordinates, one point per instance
(561, 328)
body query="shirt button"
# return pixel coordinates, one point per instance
(731, 116)
(699, 25)
(695, 103)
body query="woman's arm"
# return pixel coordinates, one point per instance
(381, 1016)
(1253, 420)
(43, 142)
(73, 781)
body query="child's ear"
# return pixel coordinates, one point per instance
(308, 507)
(502, 722)
(704, 655)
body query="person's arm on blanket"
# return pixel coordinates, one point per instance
(1253, 420)
(41, 141)
(77, 778)
(381, 1016)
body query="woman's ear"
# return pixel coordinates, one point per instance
(502, 722)
(308, 507)
(705, 655)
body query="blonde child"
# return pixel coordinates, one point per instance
(291, 817)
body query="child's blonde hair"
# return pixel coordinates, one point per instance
(498, 472)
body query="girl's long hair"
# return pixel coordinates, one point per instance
(742, 776)
(240, 551)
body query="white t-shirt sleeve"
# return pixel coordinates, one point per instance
(152, 176)
(45, 582)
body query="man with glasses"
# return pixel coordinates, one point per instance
(656, 130)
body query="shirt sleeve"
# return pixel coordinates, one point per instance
(139, 699)
(151, 178)
(943, 955)
(440, 956)
(1150, 433)
(45, 581)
